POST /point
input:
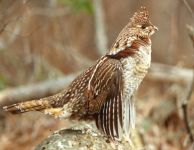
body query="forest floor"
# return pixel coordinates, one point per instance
(159, 122)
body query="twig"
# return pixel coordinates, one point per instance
(189, 8)
(188, 96)
(101, 37)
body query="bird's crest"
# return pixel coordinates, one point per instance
(140, 17)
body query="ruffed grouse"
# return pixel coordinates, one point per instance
(104, 92)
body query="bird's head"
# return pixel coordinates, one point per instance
(137, 32)
(141, 24)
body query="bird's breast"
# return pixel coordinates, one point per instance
(134, 69)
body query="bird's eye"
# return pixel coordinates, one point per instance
(143, 26)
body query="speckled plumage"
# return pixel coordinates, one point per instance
(104, 92)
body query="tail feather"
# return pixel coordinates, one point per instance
(33, 105)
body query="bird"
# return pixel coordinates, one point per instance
(105, 91)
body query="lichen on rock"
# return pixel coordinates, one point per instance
(75, 139)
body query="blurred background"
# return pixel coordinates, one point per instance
(44, 44)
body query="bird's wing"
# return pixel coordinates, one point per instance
(104, 94)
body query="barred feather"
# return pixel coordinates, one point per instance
(34, 105)
(105, 90)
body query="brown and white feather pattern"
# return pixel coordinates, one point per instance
(135, 59)
(135, 68)
(105, 90)
(109, 117)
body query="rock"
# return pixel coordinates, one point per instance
(82, 138)
(72, 139)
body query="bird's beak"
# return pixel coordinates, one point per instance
(155, 28)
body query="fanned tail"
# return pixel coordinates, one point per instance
(128, 116)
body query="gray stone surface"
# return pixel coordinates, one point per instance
(71, 139)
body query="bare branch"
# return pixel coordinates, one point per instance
(169, 73)
(34, 91)
(158, 72)
(189, 93)
(189, 8)
(101, 37)
(174, 31)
